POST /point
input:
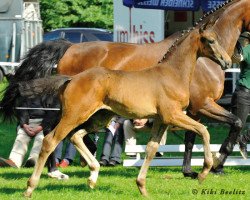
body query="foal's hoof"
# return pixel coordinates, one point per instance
(27, 194)
(192, 175)
(91, 184)
(141, 186)
(201, 178)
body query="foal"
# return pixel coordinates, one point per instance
(165, 96)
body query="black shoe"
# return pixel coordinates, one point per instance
(217, 171)
(243, 147)
(113, 163)
(192, 175)
(103, 162)
(131, 156)
(158, 154)
(30, 163)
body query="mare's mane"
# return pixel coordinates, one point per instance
(206, 18)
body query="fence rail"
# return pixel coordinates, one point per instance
(177, 161)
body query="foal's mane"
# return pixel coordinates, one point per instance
(209, 17)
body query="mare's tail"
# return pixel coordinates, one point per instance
(41, 59)
(38, 63)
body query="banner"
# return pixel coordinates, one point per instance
(164, 4)
(208, 5)
(192, 5)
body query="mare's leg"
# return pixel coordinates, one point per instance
(241, 109)
(183, 121)
(94, 166)
(152, 147)
(51, 162)
(189, 144)
(215, 111)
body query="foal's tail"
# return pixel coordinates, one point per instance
(52, 85)
(29, 89)
(9, 101)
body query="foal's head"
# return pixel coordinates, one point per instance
(209, 47)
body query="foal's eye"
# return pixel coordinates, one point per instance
(203, 40)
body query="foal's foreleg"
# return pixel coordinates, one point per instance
(94, 166)
(183, 121)
(215, 111)
(152, 146)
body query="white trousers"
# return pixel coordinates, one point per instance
(130, 134)
(22, 141)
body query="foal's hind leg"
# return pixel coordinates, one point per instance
(94, 166)
(65, 126)
(152, 146)
(48, 146)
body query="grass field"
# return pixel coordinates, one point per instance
(119, 182)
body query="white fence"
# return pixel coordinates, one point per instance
(177, 161)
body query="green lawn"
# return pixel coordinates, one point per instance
(119, 182)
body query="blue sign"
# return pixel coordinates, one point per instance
(128, 3)
(164, 4)
(208, 5)
(192, 5)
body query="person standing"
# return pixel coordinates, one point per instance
(31, 125)
(240, 106)
(114, 138)
(132, 126)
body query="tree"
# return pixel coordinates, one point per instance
(76, 13)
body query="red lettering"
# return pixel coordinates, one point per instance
(122, 36)
(145, 35)
(139, 36)
(151, 36)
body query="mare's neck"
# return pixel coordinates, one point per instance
(229, 26)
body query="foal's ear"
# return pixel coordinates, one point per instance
(207, 25)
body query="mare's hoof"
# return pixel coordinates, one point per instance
(192, 175)
(217, 171)
(216, 160)
(91, 184)
(201, 178)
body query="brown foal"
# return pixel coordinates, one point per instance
(165, 95)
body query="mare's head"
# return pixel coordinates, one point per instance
(244, 6)
(209, 47)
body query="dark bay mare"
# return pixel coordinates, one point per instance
(206, 86)
(164, 97)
